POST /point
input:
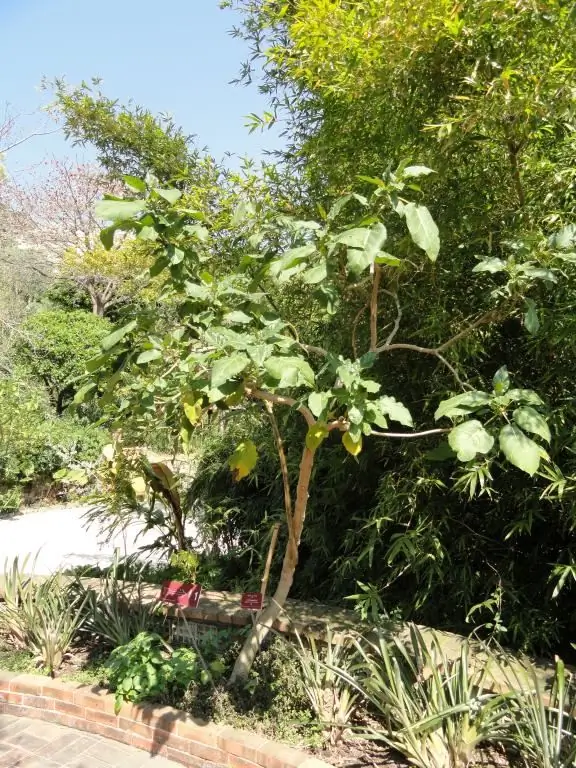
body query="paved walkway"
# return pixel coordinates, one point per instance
(59, 537)
(28, 743)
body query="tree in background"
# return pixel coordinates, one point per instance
(128, 139)
(56, 216)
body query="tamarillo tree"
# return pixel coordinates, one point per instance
(224, 345)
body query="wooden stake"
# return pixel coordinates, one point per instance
(271, 548)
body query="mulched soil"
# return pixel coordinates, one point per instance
(358, 753)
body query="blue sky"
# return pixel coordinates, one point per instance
(174, 57)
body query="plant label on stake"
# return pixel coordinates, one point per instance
(251, 601)
(181, 594)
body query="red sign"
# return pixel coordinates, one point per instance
(251, 601)
(181, 594)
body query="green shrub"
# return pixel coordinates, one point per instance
(34, 443)
(148, 668)
(54, 348)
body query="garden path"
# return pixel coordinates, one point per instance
(26, 743)
(61, 539)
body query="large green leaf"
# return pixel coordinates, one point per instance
(501, 381)
(375, 240)
(531, 321)
(317, 401)
(358, 260)
(148, 355)
(395, 410)
(291, 258)
(423, 229)
(290, 371)
(532, 421)
(470, 438)
(519, 449)
(227, 368)
(490, 265)
(119, 210)
(353, 238)
(243, 460)
(527, 396)
(138, 185)
(315, 274)
(414, 171)
(170, 195)
(461, 405)
(113, 338)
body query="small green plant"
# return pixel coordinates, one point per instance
(148, 668)
(184, 565)
(543, 721)
(437, 710)
(332, 698)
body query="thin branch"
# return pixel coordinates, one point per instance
(487, 317)
(260, 394)
(374, 308)
(408, 435)
(396, 327)
(284, 470)
(26, 138)
(355, 327)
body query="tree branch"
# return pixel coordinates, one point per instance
(484, 319)
(26, 138)
(269, 397)
(396, 327)
(374, 308)
(408, 435)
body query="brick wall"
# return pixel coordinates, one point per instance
(157, 730)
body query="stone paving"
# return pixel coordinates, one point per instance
(26, 743)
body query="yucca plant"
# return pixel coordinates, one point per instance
(116, 610)
(543, 719)
(436, 710)
(332, 698)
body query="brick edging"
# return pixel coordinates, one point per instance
(158, 730)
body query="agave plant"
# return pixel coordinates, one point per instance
(437, 710)
(543, 719)
(332, 697)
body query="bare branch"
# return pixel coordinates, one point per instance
(396, 327)
(409, 435)
(3, 150)
(487, 317)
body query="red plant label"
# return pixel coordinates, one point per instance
(251, 601)
(181, 594)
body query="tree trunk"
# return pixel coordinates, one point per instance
(266, 620)
(98, 307)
